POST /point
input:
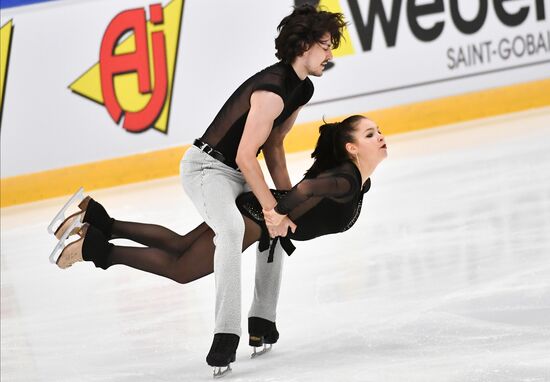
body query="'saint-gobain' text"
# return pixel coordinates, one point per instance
(487, 52)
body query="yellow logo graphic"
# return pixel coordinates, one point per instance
(6, 32)
(346, 47)
(135, 73)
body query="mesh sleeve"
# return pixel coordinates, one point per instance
(271, 82)
(335, 186)
(273, 88)
(307, 92)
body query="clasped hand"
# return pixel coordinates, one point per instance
(278, 224)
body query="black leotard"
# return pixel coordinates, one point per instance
(329, 203)
(225, 132)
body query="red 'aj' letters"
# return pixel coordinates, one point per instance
(111, 65)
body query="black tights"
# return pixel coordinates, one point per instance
(180, 258)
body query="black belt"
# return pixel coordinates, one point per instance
(205, 147)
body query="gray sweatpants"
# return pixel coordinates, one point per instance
(213, 188)
(267, 284)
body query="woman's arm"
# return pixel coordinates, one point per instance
(332, 186)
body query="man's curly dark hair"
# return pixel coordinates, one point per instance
(305, 26)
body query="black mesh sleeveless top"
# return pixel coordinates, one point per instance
(329, 203)
(225, 132)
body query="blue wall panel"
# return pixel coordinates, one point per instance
(18, 3)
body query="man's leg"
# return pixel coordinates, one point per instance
(267, 284)
(262, 315)
(213, 188)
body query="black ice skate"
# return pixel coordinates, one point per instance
(261, 332)
(222, 353)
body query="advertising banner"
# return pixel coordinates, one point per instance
(84, 81)
(404, 51)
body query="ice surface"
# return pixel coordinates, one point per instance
(444, 277)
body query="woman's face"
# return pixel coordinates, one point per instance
(369, 143)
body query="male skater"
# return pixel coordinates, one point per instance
(221, 163)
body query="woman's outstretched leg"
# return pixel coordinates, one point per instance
(156, 236)
(150, 235)
(196, 261)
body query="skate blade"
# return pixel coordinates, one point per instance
(219, 372)
(266, 349)
(60, 217)
(75, 225)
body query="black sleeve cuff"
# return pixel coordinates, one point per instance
(280, 210)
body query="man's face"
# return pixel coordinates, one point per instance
(318, 55)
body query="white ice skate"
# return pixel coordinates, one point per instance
(59, 218)
(75, 226)
(221, 371)
(266, 348)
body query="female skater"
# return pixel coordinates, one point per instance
(328, 200)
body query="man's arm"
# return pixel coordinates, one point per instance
(265, 107)
(274, 153)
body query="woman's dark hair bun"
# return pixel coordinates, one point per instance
(330, 150)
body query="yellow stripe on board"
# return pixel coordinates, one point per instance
(106, 173)
(163, 163)
(437, 112)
